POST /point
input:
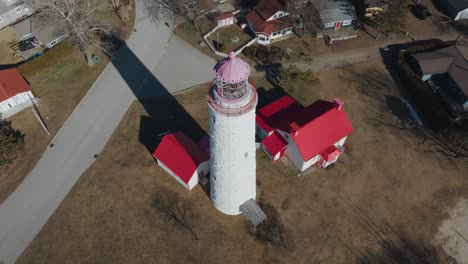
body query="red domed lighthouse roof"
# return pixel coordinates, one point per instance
(232, 69)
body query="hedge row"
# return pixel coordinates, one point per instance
(48, 58)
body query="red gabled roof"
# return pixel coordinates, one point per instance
(12, 83)
(224, 16)
(280, 112)
(263, 11)
(330, 153)
(180, 154)
(267, 8)
(261, 123)
(268, 27)
(319, 125)
(322, 131)
(274, 143)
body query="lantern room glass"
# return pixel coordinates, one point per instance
(231, 90)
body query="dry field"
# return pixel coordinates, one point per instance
(60, 88)
(387, 199)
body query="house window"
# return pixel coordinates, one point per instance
(346, 23)
(18, 10)
(10, 106)
(274, 34)
(214, 120)
(246, 155)
(261, 38)
(329, 25)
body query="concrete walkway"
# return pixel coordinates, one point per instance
(154, 62)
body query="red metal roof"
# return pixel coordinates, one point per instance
(330, 153)
(180, 154)
(261, 123)
(280, 112)
(274, 143)
(318, 126)
(12, 83)
(322, 131)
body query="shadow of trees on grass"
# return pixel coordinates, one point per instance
(391, 245)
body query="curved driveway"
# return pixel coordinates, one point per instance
(152, 55)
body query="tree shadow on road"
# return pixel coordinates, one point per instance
(165, 113)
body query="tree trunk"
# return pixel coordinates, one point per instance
(89, 56)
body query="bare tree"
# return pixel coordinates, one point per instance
(307, 15)
(176, 210)
(115, 3)
(188, 10)
(78, 19)
(273, 231)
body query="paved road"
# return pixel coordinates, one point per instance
(153, 57)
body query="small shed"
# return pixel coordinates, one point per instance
(183, 159)
(225, 19)
(15, 92)
(274, 146)
(253, 212)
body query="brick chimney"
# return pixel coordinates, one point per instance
(338, 103)
(295, 129)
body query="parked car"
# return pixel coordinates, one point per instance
(421, 12)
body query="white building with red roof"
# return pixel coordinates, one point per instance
(270, 21)
(183, 159)
(15, 92)
(307, 136)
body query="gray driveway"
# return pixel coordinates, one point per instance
(152, 63)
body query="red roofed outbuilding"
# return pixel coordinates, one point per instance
(225, 19)
(15, 92)
(183, 159)
(313, 135)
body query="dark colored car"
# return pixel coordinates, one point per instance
(27, 44)
(421, 12)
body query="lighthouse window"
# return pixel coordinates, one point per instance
(246, 155)
(214, 119)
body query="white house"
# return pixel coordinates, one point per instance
(15, 93)
(46, 33)
(183, 159)
(269, 21)
(12, 11)
(456, 9)
(307, 136)
(336, 14)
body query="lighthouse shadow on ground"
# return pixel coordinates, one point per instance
(165, 114)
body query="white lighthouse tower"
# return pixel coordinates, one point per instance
(232, 101)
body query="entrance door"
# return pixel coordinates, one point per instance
(338, 25)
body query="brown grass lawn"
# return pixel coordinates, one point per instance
(225, 37)
(388, 183)
(60, 87)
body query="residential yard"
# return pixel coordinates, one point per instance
(225, 38)
(8, 37)
(390, 191)
(59, 86)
